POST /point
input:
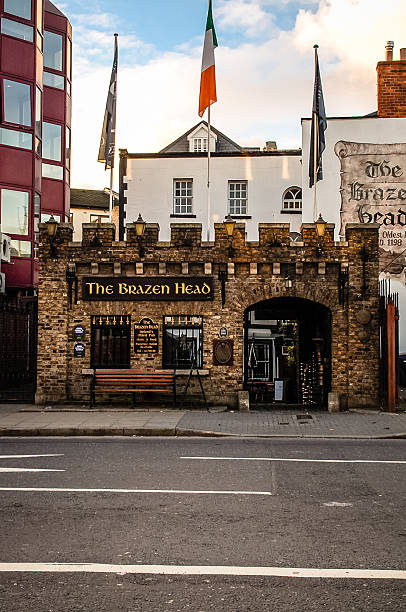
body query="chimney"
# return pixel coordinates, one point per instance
(270, 145)
(392, 84)
(389, 51)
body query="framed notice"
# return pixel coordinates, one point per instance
(146, 337)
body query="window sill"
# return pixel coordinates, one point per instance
(241, 216)
(173, 216)
(291, 212)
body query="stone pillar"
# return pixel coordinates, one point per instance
(52, 316)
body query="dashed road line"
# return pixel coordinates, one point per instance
(396, 462)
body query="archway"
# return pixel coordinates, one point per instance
(287, 352)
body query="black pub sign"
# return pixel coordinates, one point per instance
(146, 337)
(152, 288)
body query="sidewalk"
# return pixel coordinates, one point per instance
(30, 420)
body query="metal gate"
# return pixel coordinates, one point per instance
(18, 348)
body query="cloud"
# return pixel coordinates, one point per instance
(247, 15)
(264, 85)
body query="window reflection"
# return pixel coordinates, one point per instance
(17, 103)
(14, 212)
(52, 50)
(21, 8)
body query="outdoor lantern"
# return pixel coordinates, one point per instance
(288, 283)
(52, 226)
(139, 231)
(320, 226)
(140, 226)
(229, 224)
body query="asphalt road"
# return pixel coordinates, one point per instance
(210, 507)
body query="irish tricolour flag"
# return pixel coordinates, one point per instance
(208, 93)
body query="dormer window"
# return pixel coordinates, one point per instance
(198, 139)
(199, 145)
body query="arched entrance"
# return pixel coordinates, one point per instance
(287, 352)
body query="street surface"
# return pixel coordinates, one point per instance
(201, 524)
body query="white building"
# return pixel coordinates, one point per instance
(249, 184)
(364, 174)
(364, 179)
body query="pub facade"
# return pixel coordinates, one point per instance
(292, 323)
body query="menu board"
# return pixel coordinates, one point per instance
(146, 337)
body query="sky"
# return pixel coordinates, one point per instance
(264, 68)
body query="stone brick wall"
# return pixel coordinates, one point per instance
(256, 271)
(392, 89)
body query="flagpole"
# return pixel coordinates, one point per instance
(208, 175)
(315, 141)
(315, 137)
(112, 165)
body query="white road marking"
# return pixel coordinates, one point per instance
(205, 570)
(27, 456)
(337, 504)
(9, 469)
(174, 491)
(293, 460)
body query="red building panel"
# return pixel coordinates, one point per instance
(54, 104)
(17, 58)
(16, 167)
(20, 273)
(52, 196)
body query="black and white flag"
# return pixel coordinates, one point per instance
(319, 126)
(107, 140)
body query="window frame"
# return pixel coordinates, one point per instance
(25, 25)
(63, 45)
(15, 236)
(4, 122)
(178, 206)
(23, 19)
(102, 362)
(286, 208)
(168, 362)
(54, 161)
(241, 211)
(203, 141)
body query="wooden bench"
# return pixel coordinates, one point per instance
(132, 381)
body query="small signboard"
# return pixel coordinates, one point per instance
(78, 331)
(146, 337)
(278, 390)
(79, 350)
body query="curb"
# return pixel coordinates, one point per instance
(175, 432)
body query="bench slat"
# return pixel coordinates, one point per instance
(133, 381)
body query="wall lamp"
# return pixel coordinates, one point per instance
(223, 278)
(72, 279)
(320, 231)
(139, 232)
(52, 228)
(229, 225)
(320, 226)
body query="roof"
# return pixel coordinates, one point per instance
(91, 198)
(181, 144)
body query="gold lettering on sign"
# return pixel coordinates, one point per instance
(122, 288)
